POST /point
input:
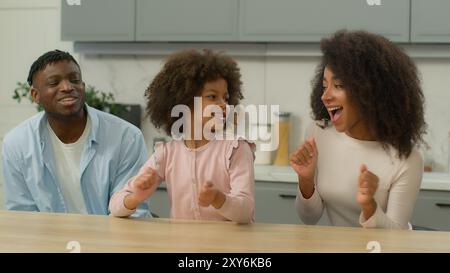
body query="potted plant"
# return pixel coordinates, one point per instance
(94, 98)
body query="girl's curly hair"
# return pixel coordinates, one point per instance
(382, 82)
(183, 77)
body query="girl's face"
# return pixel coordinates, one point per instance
(343, 113)
(214, 97)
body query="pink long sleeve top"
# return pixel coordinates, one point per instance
(228, 164)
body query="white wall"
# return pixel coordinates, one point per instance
(273, 80)
(28, 28)
(435, 76)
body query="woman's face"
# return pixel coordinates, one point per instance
(343, 113)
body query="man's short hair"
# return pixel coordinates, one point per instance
(48, 58)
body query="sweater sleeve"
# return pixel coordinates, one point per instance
(239, 205)
(156, 162)
(402, 197)
(309, 210)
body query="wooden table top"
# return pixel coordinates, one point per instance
(51, 232)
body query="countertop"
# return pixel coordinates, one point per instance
(271, 173)
(52, 232)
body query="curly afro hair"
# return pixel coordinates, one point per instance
(382, 82)
(183, 77)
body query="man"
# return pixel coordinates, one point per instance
(71, 157)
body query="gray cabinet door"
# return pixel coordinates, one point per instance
(98, 20)
(2, 199)
(430, 21)
(311, 20)
(187, 20)
(432, 210)
(275, 203)
(159, 202)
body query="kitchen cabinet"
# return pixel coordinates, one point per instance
(275, 203)
(192, 20)
(432, 210)
(229, 21)
(159, 202)
(2, 198)
(403, 21)
(311, 20)
(98, 20)
(430, 22)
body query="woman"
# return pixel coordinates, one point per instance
(360, 162)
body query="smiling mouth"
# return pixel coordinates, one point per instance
(68, 101)
(335, 112)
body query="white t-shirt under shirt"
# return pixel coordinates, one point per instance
(338, 168)
(68, 161)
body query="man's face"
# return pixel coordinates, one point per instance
(59, 89)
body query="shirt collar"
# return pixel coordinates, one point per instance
(93, 115)
(43, 133)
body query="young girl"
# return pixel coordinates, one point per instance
(207, 179)
(362, 165)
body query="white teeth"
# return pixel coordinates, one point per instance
(334, 108)
(68, 99)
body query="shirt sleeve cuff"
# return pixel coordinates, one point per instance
(226, 206)
(372, 221)
(231, 211)
(310, 202)
(121, 210)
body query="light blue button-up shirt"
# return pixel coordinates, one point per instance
(114, 152)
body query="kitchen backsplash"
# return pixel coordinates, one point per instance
(270, 80)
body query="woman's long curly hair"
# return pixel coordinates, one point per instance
(183, 77)
(382, 83)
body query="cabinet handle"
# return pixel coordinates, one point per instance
(443, 205)
(161, 189)
(287, 196)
